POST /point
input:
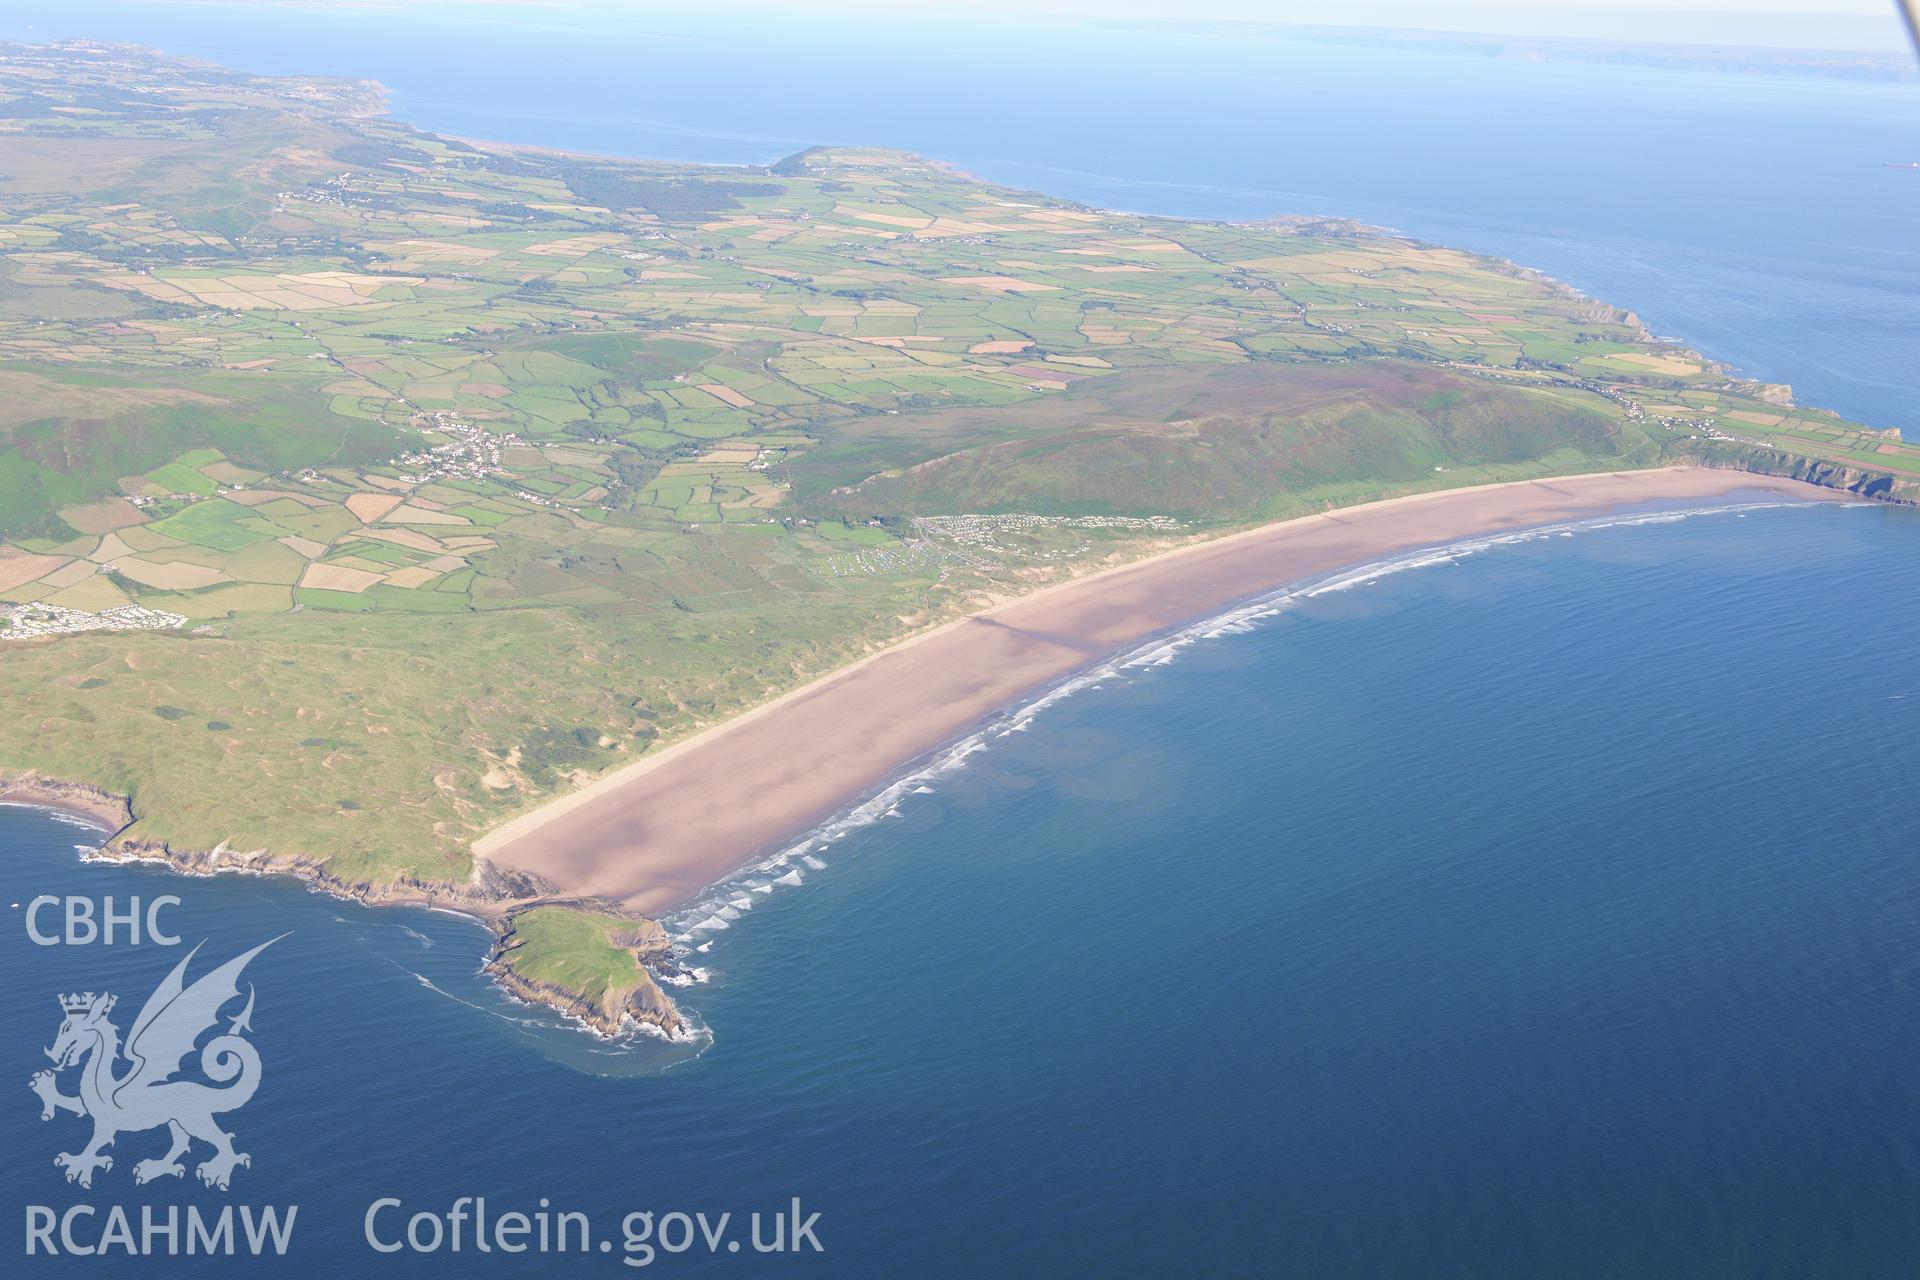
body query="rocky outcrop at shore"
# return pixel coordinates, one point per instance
(622, 1001)
(487, 893)
(490, 893)
(649, 1006)
(1861, 479)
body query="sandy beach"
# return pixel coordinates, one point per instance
(655, 833)
(91, 804)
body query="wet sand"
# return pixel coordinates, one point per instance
(90, 804)
(655, 833)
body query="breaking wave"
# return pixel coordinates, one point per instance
(64, 817)
(717, 910)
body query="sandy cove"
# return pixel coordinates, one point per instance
(91, 804)
(655, 833)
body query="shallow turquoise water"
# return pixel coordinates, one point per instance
(1545, 911)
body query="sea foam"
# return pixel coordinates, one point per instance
(778, 870)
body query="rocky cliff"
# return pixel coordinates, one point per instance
(491, 894)
(1862, 479)
(589, 963)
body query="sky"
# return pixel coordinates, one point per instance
(1864, 25)
(1806, 24)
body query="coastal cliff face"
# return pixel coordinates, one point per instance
(1860, 479)
(488, 888)
(560, 972)
(649, 1006)
(588, 962)
(594, 974)
(486, 893)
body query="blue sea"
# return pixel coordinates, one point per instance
(1541, 911)
(1751, 215)
(1540, 908)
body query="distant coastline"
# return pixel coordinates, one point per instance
(1873, 66)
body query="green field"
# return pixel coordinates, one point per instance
(477, 472)
(592, 957)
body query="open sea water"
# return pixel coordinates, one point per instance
(1541, 911)
(1544, 909)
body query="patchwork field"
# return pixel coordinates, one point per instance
(475, 472)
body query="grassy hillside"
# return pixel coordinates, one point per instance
(1212, 444)
(588, 961)
(70, 435)
(361, 488)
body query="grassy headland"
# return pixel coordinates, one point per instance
(474, 472)
(587, 963)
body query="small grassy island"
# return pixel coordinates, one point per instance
(587, 963)
(364, 490)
